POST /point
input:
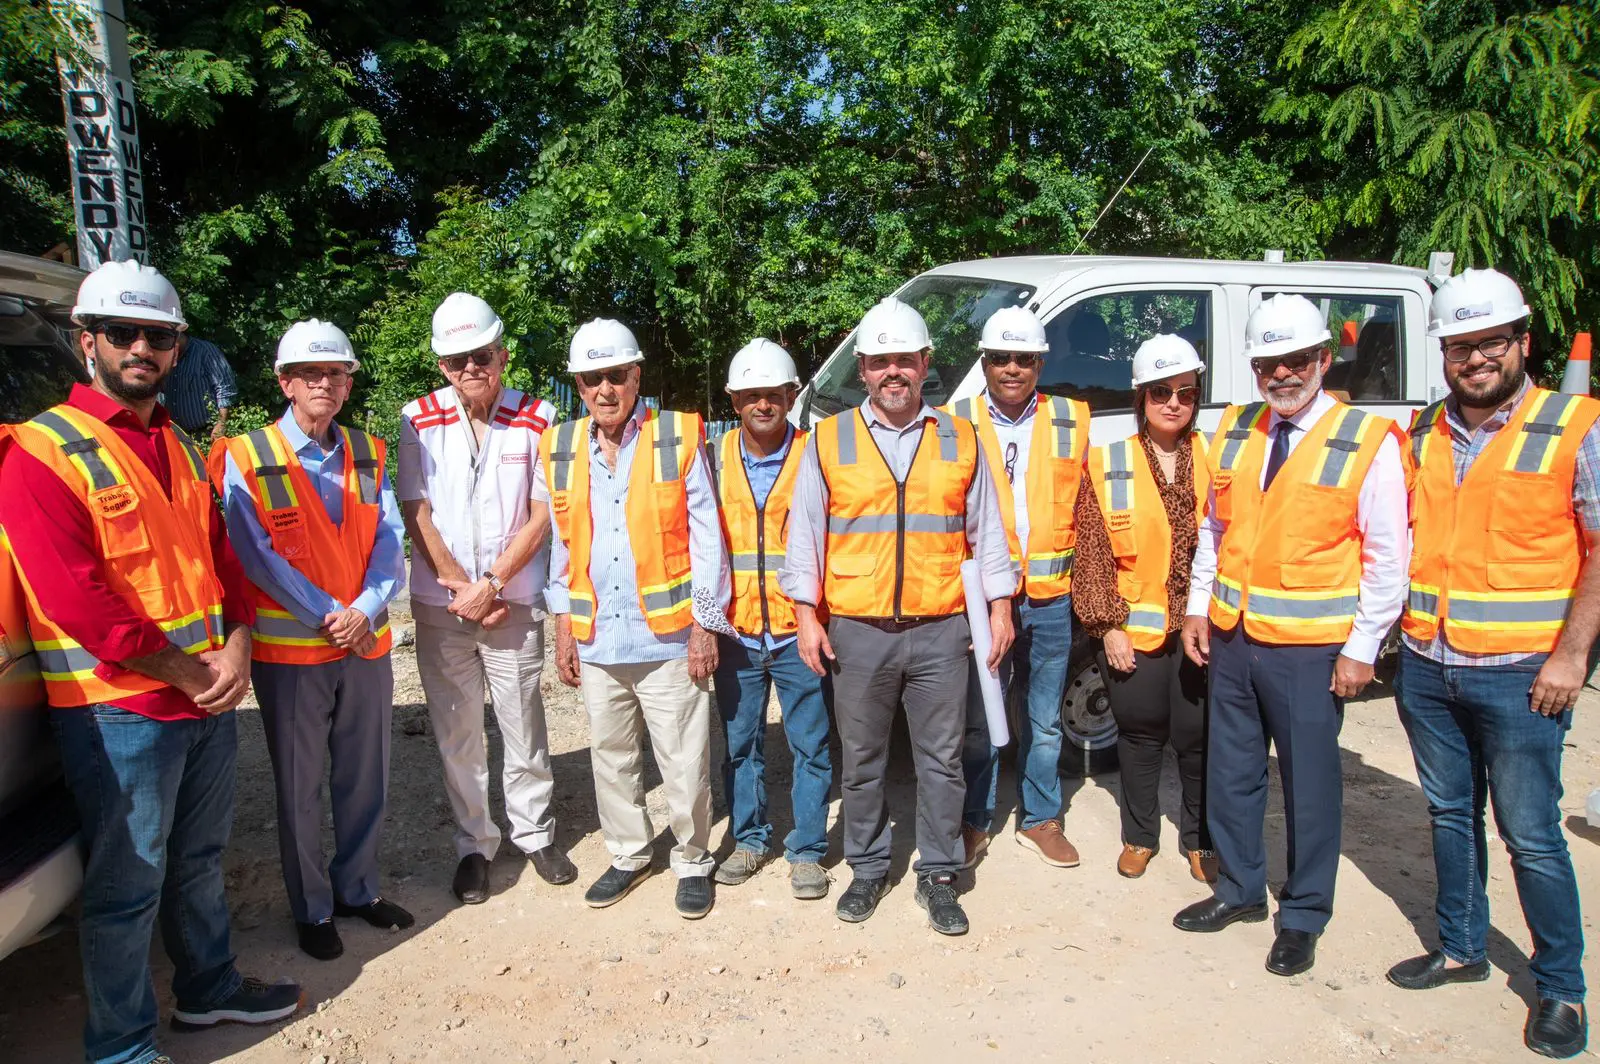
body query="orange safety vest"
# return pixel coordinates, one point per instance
(657, 508)
(1140, 534)
(155, 550)
(14, 638)
(334, 558)
(756, 535)
(1056, 456)
(1496, 560)
(1290, 557)
(894, 549)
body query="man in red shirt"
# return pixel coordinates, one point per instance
(144, 644)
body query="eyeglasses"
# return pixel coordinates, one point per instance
(158, 337)
(1493, 347)
(457, 363)
(1162, 394)
(1295, 363)
(313, 374)
(1023, 359)
(615, 377)
(1011, 462)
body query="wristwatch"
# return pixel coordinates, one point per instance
(495, 583)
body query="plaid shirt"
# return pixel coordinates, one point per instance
(1468, 445)
(201, 376)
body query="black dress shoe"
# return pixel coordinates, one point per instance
(614, 886)
(1432, 969)
(694, 897)
(1556, 1029)
(936, 892)
(860, 899)
(1214, 914)
(1292, 952)
(377, 912)
(552, 865)
(472, 879)
(319, 940)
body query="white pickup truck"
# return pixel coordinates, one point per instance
(1098, 309)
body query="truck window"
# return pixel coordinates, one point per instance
(32, 378)
(1367, 328)
(1092, 342)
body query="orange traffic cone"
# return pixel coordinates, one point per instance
(1575, 381)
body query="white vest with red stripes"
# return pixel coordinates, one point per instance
(477, 507)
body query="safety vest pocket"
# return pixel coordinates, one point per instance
(672, 504)
(852, 564)
(1129, 586)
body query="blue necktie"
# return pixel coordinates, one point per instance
(1280, 452)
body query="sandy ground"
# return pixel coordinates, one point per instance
(1067, 964)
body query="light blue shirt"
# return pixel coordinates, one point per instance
(763, 474)
(621, 634)
(386, 567)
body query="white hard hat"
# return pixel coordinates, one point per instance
(1284, 324)
(128, 290)
(892, 328)
(464, 323)
(1473, 300)
(315, 341)
(601, 344)
(1162, 356)
(761, 364)
(1014, 329)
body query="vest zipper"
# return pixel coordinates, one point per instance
(900, 538)
(761, 559)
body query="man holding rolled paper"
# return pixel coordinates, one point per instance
(891, 498)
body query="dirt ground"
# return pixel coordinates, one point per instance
(1067, 964)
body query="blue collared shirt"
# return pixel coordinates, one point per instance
(763, 474)
(386, 567)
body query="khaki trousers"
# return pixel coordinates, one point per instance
(624, 700)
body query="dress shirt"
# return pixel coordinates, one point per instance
(55, 543)
(1466, 445)
(621, 634)
(807, 545)
(763, 474)
(293, 590)
(1381, 515)
(202, 374)
(1018, 433)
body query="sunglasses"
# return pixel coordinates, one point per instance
(1023, 359)
(1161, 394)
(1493, 347)
(457, 363)
(1296, 363)
(615, 377)
(159, 338)
(1011, 462)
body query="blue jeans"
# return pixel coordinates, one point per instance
(156, 801)
(1476, 742)
(1038, 662)
(744, 681)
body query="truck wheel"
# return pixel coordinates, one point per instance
(1089, 732)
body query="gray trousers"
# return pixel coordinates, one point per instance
(924, 669)
(339, 710)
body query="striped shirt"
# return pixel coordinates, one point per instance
(1467, 445)
(202, 374)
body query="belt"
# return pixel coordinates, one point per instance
(896, 624)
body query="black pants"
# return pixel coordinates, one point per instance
(1163, 700)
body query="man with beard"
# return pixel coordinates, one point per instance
(141, 619)
(1299, 573)
(1504, 606)
(890, 499)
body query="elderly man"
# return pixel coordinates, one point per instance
(315, 524)
(141, 619)
(478, 522)
(1300, 571)
(638, 584)
(891, 498)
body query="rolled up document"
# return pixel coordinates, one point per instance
(994, 699)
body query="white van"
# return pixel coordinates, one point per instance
(1098, 309)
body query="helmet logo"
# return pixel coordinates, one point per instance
(139, 299)
(1163, 363)
(324, 347)
(883, 338)
(1476, 310)
(1009, 335)
(468, 327)
(1272, 336)
(600, 352)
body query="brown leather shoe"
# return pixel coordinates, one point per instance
(1047, 841)
(1134, 860)
(973, 842)
(1203, 865)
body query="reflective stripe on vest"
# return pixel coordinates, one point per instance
(755, 535)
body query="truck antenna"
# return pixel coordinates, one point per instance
(1113, 199)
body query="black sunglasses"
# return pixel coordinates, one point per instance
(616, 377)
(1294, 363)
(158, 337)
(1023, 359)
(457, 363)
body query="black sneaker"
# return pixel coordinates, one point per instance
(860, 899)
(253, 1002)
(1557, 1029)
(614, 886)
(936, 892)
(377, 912)
(319, 940)
(694, 897)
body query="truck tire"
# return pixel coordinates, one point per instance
(1088, 730)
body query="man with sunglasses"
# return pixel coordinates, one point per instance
(315, 523)
(639, 586)
(1299, 573)
(1036, 446)
(479, 527)
(1503, 608)
(140, 615)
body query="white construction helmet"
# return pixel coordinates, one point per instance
(601, 344)
(892, 328)
(128, 290)
(464, 323)
(1473, 300)
(1164, 355)
(761, 364)
(1014, 329)
(1284, 324)
(315, 341)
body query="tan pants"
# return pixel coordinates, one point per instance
(622, 701)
